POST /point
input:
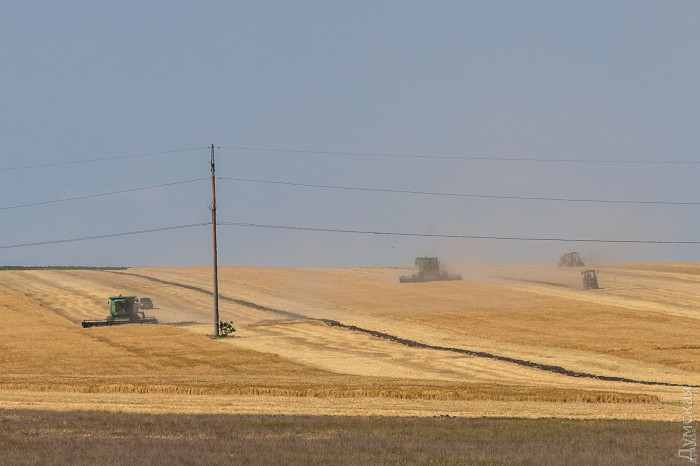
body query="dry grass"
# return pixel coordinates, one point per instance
(40, 437)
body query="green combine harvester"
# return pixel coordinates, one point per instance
(122, 310)
(429, 270)
(570, 259)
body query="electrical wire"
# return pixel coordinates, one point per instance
(110, 235)
(338, 230)
(90, 196)
(480, 196)
(102, 159)
(430, 235)
(463, 157)
(356, 188)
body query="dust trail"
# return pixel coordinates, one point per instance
(415, 344)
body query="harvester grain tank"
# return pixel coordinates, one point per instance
(428, 270)
(570, 259)
(145, 303)
(122, 310)
(590, 280)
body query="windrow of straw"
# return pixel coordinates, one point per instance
(469, 393)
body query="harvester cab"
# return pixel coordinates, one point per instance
(428, 266)
(428, 270)
(590, 280)
(124, 307)
(122, 310)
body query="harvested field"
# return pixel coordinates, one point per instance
(163, 359)
(633, 338)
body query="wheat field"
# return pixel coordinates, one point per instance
(316, 341)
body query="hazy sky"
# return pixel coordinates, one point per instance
(481, 81)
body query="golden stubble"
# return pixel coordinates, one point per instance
(44, 348)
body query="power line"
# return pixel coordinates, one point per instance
(479, 196)
(102, 159)
(111, 235)
(431, 235)
(464, 157)
(89, 196)
(338, 230)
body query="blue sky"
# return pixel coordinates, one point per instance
(581, 81)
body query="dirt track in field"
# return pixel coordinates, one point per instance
(508, 326)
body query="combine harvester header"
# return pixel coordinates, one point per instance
(122, 310)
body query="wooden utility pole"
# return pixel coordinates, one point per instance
(213, 229)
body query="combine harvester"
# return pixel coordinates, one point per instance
(428, 269)
(123, 310)
(570, 259)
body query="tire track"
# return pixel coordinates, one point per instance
(412, 343)
(482, 354)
